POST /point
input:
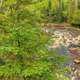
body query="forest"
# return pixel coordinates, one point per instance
(39, 39)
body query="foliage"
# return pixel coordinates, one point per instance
(23, 54)
(75, 19)
(56, 10)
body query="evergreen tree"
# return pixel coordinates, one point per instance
(23, 54)
(22, 50)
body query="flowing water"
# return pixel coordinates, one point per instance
(62, 39)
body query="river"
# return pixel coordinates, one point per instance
(62, 39)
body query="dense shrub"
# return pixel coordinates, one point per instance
(75, 18)
(23, 54)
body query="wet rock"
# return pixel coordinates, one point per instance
(75, 71)
(64, 38)
(75, 54)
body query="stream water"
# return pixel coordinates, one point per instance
(62, 39)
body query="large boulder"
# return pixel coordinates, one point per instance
(75, 54)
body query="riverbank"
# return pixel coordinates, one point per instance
(59, 25)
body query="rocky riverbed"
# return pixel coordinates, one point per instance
(63, 39)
